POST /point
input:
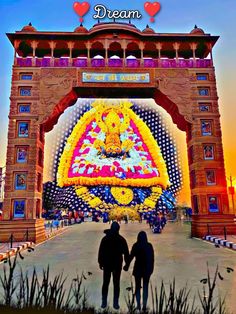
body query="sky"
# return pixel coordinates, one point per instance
(213, 16)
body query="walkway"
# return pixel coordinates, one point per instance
(176, 254)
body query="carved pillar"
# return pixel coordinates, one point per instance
(70, 45)
(16, 46)
(141, 47)
(176, 47)
(193, 46)
(34, 45)
(52, 45)
(106, 46)
(159, 47)
(209, 45)
(124, 47)
(88, 46)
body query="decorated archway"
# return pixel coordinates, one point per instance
(42, 88)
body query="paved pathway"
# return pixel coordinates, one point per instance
(176, 255)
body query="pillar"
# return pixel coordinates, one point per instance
(206, 164)
(159, 47)
(106, 46)
(23, 182)
(176, 47)
(52, 45)
(193, 46)
(70, 45)
(88, 46)
(141, 47)
(124, 47)
(34, 45)
(16, 46)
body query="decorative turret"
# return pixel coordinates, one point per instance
(29, 28)
(197, 31)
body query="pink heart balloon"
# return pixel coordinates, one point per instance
(81, 9)
(152, 9)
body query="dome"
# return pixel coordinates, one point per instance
(148, 30)
(81, 29)
(29, 28)
(197, 31)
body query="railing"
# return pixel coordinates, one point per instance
(14, 242)
(220, 230)
(116, 63)
(53, 226)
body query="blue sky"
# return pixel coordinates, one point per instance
(214, 16)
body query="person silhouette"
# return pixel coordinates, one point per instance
(110, 258)
(143, 252)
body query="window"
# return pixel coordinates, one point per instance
(22, 154)
(193, 179)
(24, 108)
(40, 157)
(20, 181)
(202, 76)
(203, 91)
(206, 127)
(213, 204)
(25, 91)
(195, 204)
(39, 182)
(204, 107)
(19, 209)
(190, 152)
(23, 129)
(208, 151)
(210, 177)
(26, 76)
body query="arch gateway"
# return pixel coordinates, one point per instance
(53, 69)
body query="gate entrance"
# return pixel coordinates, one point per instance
(112, 60)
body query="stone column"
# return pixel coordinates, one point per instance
(88, 46)
(159, 47)
(176, 47)
(34, 45)
(141, 47)
(124, 47)
(52, 45)
(70, 45)
(16, 46)
(209, 45)
(106, 46)
(193, 46)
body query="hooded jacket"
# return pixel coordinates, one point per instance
(112, 248)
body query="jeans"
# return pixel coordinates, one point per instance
(138, 286)
(116, 283)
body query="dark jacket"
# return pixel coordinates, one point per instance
(112, 248)
(144, 259)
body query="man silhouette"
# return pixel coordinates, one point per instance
(110, 258)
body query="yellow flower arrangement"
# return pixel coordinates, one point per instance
(78, 131)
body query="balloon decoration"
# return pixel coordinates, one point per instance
(152, 9)
(81, 9)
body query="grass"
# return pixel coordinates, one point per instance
(24, 293)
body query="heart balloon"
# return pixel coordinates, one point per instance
(152, 9)
(81, 9)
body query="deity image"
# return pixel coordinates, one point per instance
(112, 159)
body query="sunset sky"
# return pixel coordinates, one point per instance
(214, 16)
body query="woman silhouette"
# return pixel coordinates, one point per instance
(143, 252)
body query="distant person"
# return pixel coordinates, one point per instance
(110, 258)
(143, 252)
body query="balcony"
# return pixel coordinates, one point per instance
(112, 63)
